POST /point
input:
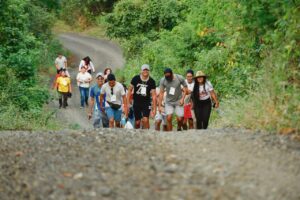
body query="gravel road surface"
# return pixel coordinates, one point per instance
(122, 164)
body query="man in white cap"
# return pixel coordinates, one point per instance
(142, 88)
(95, 110)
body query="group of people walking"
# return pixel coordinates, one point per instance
(111, 104)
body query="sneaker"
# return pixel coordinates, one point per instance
(81, 107)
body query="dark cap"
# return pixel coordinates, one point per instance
(190, 71)
(168, 70)
(111, 77)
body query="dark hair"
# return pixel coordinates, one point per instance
(106, 69)
(190, 71)
(168, 70)
(195, 94)
(111, 77)
(87, 60)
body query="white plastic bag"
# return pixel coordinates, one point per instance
(128, 125)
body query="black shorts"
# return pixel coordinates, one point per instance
(141, 111)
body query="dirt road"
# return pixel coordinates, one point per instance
(103, 53)
(121, 164)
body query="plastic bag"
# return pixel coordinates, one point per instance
(128, 125)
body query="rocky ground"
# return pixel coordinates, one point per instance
(128, 164)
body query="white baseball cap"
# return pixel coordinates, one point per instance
(145, 66)
(99, 74)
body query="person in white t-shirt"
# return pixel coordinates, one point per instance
(86, 62)
(202, 94)
(115, 97)
(60, 63)
(188, 121)
(83, 81)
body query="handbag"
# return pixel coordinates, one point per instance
(114, 106)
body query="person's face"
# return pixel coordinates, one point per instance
(63, 73)
(83, 70)
(111, 83)
(145, 72)
(59, 55)
(189, 77)
(200, 79)
(108, 72)
(169, 76)
(100, 80)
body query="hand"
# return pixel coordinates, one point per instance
(90, 115)
(160, 109)
(181, 102)
(153, 113)
(102, 109)
(217, 105)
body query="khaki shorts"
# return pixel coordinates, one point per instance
(161, 117)
(170, 109)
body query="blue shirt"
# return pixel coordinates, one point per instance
(95, 93)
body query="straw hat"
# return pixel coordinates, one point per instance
(200, 74)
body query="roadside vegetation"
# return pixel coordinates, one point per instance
(250, 49)
(26, 53)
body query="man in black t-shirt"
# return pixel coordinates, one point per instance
(143, 89)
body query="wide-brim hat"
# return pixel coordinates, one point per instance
(200, 74)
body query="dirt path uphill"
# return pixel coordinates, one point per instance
(103, 53)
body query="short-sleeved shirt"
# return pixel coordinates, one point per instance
(118, 91)
(63, 84)
(190, 87)
(204, 93)
(173, 89)
(90, 66)
(142, 90)
(61, 62)
(95, 93)
(84, 78)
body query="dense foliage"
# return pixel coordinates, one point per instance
(83, 13)
(26, 43)
(250, 49)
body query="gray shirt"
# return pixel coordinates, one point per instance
(118, 92)
(173, 89)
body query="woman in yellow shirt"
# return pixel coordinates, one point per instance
(63, 85)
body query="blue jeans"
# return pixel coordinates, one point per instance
(84, 95)
(99, 117)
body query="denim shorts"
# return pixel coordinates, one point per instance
(112, 113)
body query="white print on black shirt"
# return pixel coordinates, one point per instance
(142, 89)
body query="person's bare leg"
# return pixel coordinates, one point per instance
(191, 123)
(118, 124)
(111, 123)
(179, 122)
(145, 122)
(157, 125)
(165, 128)
(138, 124)
(169, 122)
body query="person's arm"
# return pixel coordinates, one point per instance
(92, 66)
(70, 87)
(101, 98)
(56, 64)
(125, 105)
(184, 93)
(215, 98)
(160, 99)
(154, 102)
(55, 85)
(80, 65)
(129, 92)
(66, 63)
(92, 103)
